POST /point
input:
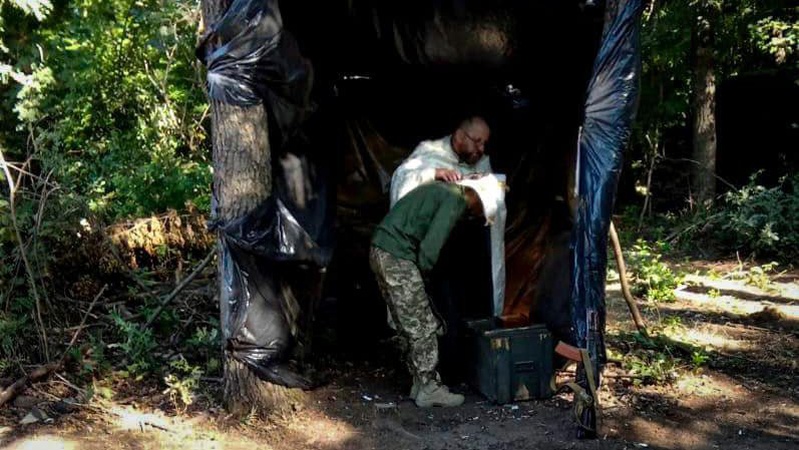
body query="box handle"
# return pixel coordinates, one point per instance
(525, 366)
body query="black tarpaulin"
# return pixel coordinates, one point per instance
(258, 61)
(610, 109)
(270, 255)
(384, 75)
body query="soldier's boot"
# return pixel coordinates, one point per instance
(433, 393)
(417, 383)
(415, 389)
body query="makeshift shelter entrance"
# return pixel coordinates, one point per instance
(350, 89)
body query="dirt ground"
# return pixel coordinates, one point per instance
(746, 396)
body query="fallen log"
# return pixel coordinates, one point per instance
(40, 372)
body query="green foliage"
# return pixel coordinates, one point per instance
(115, 108)
(757, 275)
(12, 332)
(104, 120)
(5, 365)
(92, 361)
(665, 42)
(699, 359)
(671, 322)
(744, 31)
(658, 359)
(665, 86)
(779, 36)
(747, 36)
(206, 344)
(103, 392)
(714, 274)
(137, 346)
(205, 339)
(182, 382)
(651, 359)
(652, 278)
(167, 320)
(199, 354)
(39, 9)
(755, 220)
(763, 220)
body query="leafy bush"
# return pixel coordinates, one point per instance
(657, 359)
(114, 107)
(102, 117)
(763, 220)
(649, 358)
(755, 220)
(136, 344)
(206, 344)
(652, 279)
(182, 383)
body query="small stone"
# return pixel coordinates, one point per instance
(29, 419)
(36, 415)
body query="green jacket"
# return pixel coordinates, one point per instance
(419, 224)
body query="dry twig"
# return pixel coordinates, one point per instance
(68, 383)
(82, 323)
(179, 288)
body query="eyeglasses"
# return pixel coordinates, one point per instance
(477, 141)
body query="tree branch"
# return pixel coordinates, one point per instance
(179, 288)
(625, 284)
(82, 322)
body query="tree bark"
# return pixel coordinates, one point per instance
(242, 181)
(704, 108)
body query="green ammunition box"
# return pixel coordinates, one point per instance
(509, 364)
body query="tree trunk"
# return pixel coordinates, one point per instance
(242, 181)
(704, 109)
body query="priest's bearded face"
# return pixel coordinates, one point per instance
(470, 142)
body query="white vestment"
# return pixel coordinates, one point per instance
(420, 168)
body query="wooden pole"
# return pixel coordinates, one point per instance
(625, 284)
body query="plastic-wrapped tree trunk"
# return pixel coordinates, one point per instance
(242, 182)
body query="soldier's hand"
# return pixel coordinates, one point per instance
(448, 175)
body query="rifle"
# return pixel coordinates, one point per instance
(587, 379)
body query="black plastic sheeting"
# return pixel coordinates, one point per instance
(258, 329)
(610, 109)
(255, 59)
(258, 61)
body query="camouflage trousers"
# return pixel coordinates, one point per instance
(403, 289)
